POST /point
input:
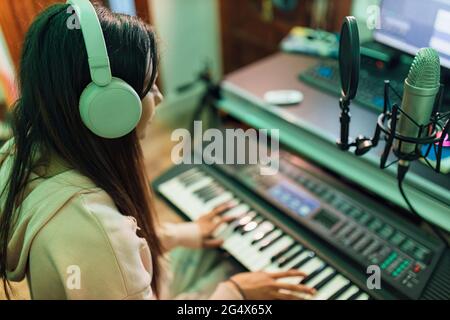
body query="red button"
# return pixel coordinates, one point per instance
(416, 268)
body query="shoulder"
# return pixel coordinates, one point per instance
(91, 233)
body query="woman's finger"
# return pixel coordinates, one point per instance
(294, 287)
(218, 210)
(212, 243)
(287, 274)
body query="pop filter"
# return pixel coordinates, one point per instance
(349, 58)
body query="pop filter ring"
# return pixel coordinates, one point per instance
(349, 58)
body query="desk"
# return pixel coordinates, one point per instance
(312, 127)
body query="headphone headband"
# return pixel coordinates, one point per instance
(94, 40)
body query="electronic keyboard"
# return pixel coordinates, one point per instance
(304, 218)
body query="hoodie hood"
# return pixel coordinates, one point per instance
(44, 198)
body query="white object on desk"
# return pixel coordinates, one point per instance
(283, 97)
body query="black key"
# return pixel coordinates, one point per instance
(355, 295)
(304, 260)
(271, 242)
(188, 174)
(213, 195)
(191, 178)
(286, 259)
(338, 293)
(325, 281)
(313, 274)
(204, 189)
(244, 220)
(210, 193)
(282, 252)
(252, 225)
(269, 232)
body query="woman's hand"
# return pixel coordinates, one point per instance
(209, 222)
(264, 286)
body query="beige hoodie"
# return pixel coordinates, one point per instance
(71, 242)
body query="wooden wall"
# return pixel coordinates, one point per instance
(250, 33)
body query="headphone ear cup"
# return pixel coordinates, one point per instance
(112, 111)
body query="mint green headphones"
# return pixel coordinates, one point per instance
(109, 106)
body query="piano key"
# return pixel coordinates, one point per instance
(252, 225)
(204, 181)
(240, 246)
(219, 200)
(263, 260)
(321, 276)
(199, 191)
(287, 259)
(188, 174)
(306, 256)
(312, 265)
(283, 252)
(237, 211)
(276, 233)
(274, 267)
(192, 179)
(245, 219)
(313, 274)
(325, 281)
(267, 228)
(176, 193)
(237, 239)
(264, 233)
(355, 295)
(337, 283)
(349, 293)
(269, 242)
(227, 228)
(209, 193)
(363, 296)
(340, 291)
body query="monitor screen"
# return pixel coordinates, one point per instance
(409, 25)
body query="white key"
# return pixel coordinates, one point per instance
(242, 249)
(264, 259)
(318, 278)
(347, 294)
(186, 202)
(225, 230)
(274, 234)
(243, 243)
(363, 296)
(311, 265)
(237, 211)
(217, 201)
(335, 284)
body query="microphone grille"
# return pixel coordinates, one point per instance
(425, 70)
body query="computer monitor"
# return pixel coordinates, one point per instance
(409, 25)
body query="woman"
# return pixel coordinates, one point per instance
(76, 213)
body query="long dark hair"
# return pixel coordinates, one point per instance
(53, 73)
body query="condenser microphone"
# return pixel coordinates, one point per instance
(420, 90)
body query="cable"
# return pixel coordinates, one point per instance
(413, 210)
